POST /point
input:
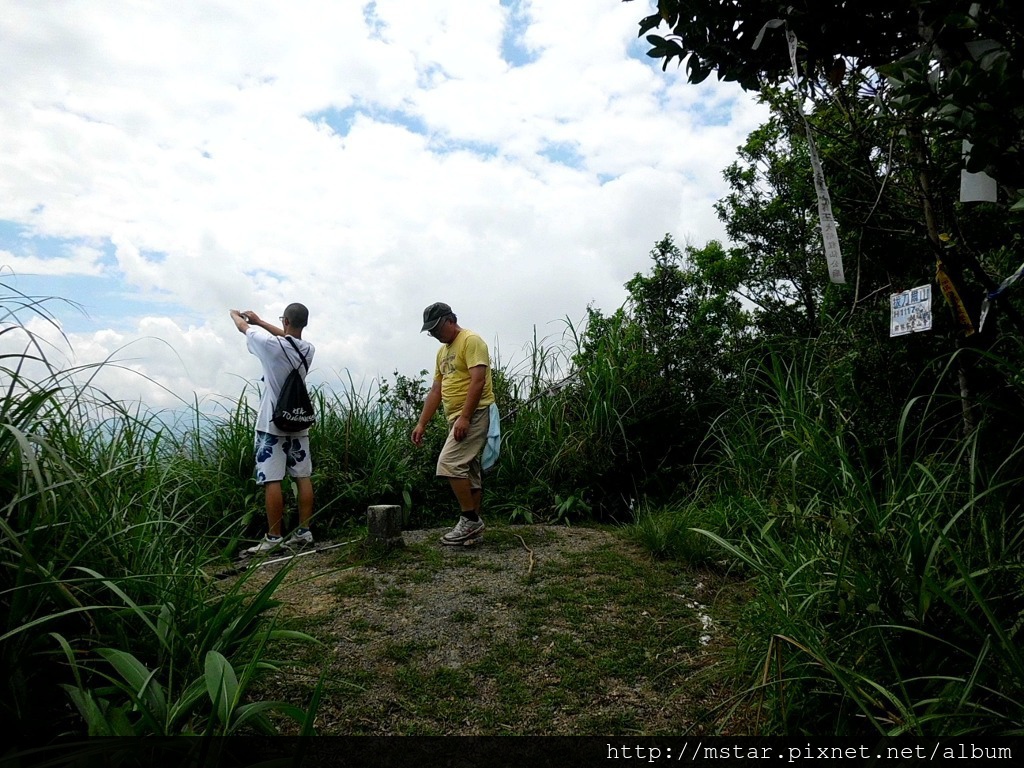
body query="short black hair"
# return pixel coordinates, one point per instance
(297, 315)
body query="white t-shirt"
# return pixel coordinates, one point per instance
(278, 358)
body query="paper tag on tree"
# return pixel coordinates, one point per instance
(829, 233)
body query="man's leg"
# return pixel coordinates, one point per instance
(275, 507)
(300, 469)
(459, 462)
(470, 528)
(469, 492)
(270, 469)
(466, 496)
(302, 537)
(305, 491)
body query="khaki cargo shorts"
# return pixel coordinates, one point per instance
(462, 458)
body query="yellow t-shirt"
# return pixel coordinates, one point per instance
(454, 360)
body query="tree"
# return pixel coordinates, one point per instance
(673, 348)
(687, 311)
(771, 214)
(930, 73)
(958, 62)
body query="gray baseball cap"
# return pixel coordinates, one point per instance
(433, 314)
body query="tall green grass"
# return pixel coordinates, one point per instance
(565, 441)
(363, 455)
(890, 595)
(110, 621)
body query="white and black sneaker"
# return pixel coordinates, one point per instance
(465, 534)
(299, 540)
(267, 546)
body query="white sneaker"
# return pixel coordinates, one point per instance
(266, 546)
(466, 533)
(296, 540)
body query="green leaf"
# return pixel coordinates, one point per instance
(256, 710)
(164, 624)
(148, 692)
(222, 685)
(292, 635)
(136, 609)
(120, 725)
(309, 716)
(184, 706)
(649, 23)
(90, 711)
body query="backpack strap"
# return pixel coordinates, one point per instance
(296, 348)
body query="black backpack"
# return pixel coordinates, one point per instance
(293, 411)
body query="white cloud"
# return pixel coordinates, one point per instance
(178, 153)
(79, 259)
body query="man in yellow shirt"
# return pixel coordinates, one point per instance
(462, 384)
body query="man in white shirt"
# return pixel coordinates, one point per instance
(279, 453)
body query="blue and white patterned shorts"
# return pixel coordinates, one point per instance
(280, 454)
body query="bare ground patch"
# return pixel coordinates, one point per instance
(540, 630)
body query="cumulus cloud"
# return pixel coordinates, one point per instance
(517, 160)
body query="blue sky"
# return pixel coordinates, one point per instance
(163, 163)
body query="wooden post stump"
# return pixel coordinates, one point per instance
(384, 526)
